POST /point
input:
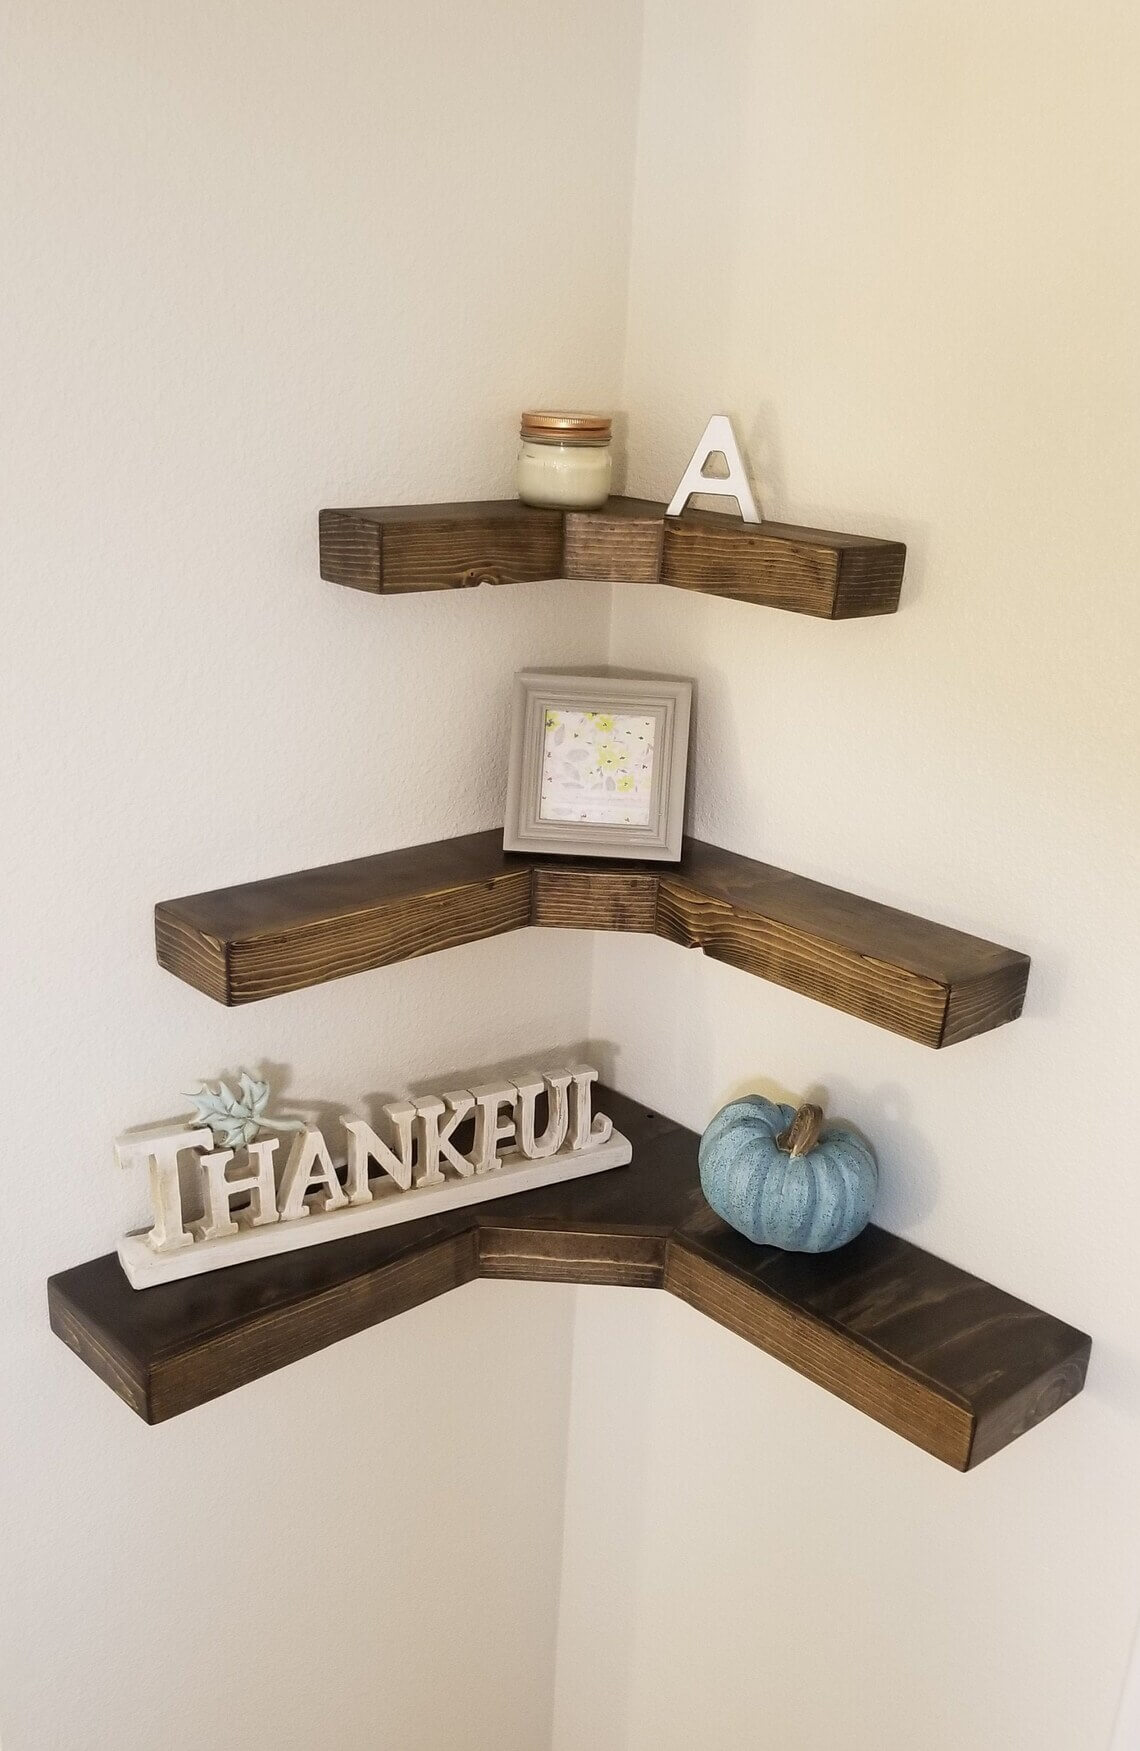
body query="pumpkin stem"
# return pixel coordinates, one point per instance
(802, 1134)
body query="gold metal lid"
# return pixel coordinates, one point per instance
(591, 428)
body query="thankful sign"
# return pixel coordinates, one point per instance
(411, 1167)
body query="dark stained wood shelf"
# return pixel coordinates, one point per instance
(936, 1355)
(393, 549)
(930, 983)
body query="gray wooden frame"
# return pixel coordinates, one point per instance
(666, 698)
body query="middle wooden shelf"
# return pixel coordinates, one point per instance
(926, 981)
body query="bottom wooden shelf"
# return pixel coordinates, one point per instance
(954, 1365)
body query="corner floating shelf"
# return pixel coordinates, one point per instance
(930, 983)
(939, 1357)
(950, 1363)
(395, 549)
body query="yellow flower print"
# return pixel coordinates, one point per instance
(552, 720)
(609, 759)
(602, 722)
(625, 782)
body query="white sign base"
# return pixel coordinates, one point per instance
(145, 1267)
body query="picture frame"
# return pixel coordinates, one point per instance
(598, 764)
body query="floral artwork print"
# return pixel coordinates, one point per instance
(597, 766)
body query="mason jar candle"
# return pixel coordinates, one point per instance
(564, 460)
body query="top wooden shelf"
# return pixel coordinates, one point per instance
(391, 550)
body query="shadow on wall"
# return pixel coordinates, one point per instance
(901, 1149)
(908, 1160)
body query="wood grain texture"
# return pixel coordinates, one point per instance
(621, 542)
(986, 1001)
(436, 547)
(350, 549)
(394, 549)
(777, 565)
(554, 1255)
(949, 1362)
(870, 580)
(968, 1366)
(934, 1420)
(243, 943)
(888, 967)
(569, 898)
(933, 984)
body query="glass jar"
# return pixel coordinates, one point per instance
(564, 460)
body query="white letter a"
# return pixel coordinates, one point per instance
(718, 437)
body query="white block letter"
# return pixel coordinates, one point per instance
(552, 1139)
(490, 1130)
(309, 1164)
(435, 1139)
(587, 1133)
(260, 1185)
(364, 1147)
(161, 1154)
(718, 438)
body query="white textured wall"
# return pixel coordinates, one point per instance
(898, 242)
(257, 258)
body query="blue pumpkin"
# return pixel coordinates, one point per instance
(769, 1173)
